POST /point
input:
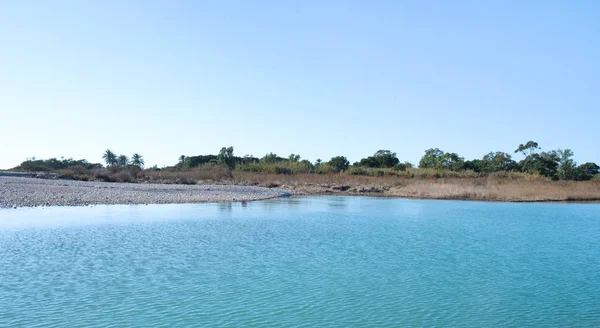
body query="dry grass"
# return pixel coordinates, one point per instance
(498, 190)
(520, 187)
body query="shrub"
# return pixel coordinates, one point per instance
(357, 170)
(338, 163)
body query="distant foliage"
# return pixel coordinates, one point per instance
(137, 160)
(122, 160)
(496, 162)
(545, 164)
(271, 158)
(338, 163)
(381, 159)
(403, 166)
(196, 161)
(527, 149)
(109, 157)
(435, 158)
(435, 163)
(226, 157)
(587, 171)
(52, 164)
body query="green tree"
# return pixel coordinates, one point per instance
(386, 158)
(381, 159)
(528, 149)
(403, 166)
(137, 160)
(545, 164)
(475, 165)
(294, 158)
(431, 159)
(318, 162)
(587, 171)
(110, 158)
(226, 157)
(450, 161)
(270, 158)
(182, 159)
(497, 161)
(566, 165)
(304, 166)
(122, 160)
(339, 163)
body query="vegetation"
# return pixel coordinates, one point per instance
(112, 160)
(490, 177)
(53, 164)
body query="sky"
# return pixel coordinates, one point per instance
(315, 78)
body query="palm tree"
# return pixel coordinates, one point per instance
(182, 159)
(137, 160)
(109, 158)
(123, 160)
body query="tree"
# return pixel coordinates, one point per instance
(137, 160)
(381, 159)
(437, 159)
(450, 161)
(226, 157)
(386, 158)
(545, 164)
(318, 162)
(475, 165)
(431, 158)
(528, 149)
(294, 158)
(122, 160)
(270, 158)
(110, 158)
(304, 166)
(566, 165)
(339, 163)
(497, 161)
(586, 171)
(403, 166)
(182, 159)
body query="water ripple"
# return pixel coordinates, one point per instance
(371, 262)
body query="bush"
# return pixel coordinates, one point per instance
(125, 176)
(357, 170)
(338, 163)
(326, 169)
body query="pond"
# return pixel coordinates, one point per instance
(302, 262)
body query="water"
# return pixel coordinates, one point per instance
(322, 261)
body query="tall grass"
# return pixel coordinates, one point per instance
(418, 183)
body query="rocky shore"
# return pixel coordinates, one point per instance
(22, 191)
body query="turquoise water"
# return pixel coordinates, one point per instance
(305, 262)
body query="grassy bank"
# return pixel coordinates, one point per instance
(414, 183)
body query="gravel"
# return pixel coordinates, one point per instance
(20, 192)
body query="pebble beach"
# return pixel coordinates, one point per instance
(27, 192)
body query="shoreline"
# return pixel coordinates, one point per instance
(18, 192)
(383, 195)
(33, 192)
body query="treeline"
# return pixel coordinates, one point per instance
(53, 164)
(435, 163)
(555, 164)
(111, 159)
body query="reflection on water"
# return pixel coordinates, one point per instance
(225, 207)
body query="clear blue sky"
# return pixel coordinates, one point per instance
(315, 78)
